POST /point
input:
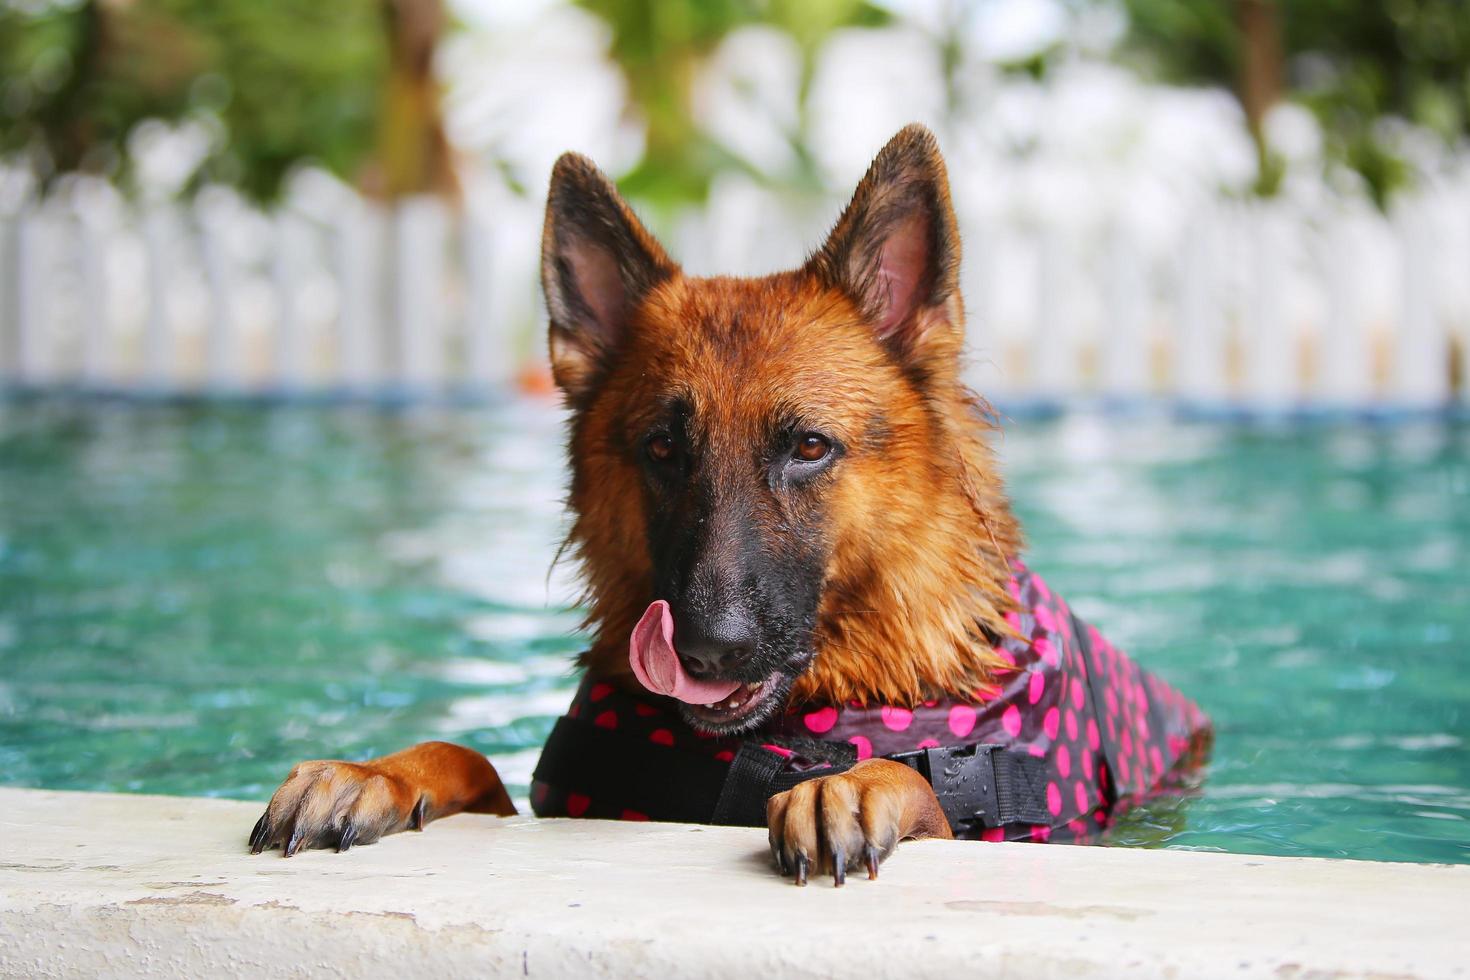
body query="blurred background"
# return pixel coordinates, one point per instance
(1263, 202)
(1217, 266)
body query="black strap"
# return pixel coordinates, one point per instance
(977, 785)
(983, 785)
(755, 776)
(748, 786)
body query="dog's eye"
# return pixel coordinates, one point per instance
(660, 447)
(811, 448)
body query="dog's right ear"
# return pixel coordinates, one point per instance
(597, 263)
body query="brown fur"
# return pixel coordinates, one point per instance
(920, 530)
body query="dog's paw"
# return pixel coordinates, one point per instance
(325, 803)
(836, 824)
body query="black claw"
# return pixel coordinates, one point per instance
(779, 857)
(298, 834)
(260, 833)
(839, 867)
(416, 818)
(349, 835)
(801, 869)
(871, 853)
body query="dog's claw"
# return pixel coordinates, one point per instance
(839, 867)
(801, 869)
(780, 858)
(871, 854)
(349, 835)
(416, 818)
(259, 834)
(298, 834)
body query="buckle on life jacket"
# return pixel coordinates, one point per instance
(983, 785)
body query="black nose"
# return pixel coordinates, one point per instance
(715, 645)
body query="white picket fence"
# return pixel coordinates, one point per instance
(213, 297)
(1246, 305)
(1249, 304)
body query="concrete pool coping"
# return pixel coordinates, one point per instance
(102, 884)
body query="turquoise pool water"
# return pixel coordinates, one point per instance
(192, 599)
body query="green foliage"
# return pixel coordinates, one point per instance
(1186, 40)
(660, 45)
(296, 79)
(278, 83)
(1351, 62)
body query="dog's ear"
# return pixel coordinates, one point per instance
(896, 249)
(597, 263)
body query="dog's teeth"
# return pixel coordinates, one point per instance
(737, 698)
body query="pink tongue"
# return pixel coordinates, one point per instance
(657, 667)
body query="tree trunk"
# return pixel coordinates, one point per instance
(413, 156)
(1261, 73)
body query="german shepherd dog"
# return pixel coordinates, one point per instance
(793, 465)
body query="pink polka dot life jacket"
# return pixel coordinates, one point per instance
(1075, 733)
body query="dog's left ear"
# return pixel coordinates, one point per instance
(597, 264)
(896, 249)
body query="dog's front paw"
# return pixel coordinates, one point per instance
(326, 803)
(337, 804)
(836, 824)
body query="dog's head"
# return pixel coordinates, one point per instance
(755, 452)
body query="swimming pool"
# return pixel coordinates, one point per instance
(193, 598)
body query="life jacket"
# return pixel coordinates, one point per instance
(1067, 736)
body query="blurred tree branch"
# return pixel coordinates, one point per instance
(346, 84)
(1353, 64)
(661, 44)
(1259, 82)
(413, 152)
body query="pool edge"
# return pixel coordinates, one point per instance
(129, 885)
